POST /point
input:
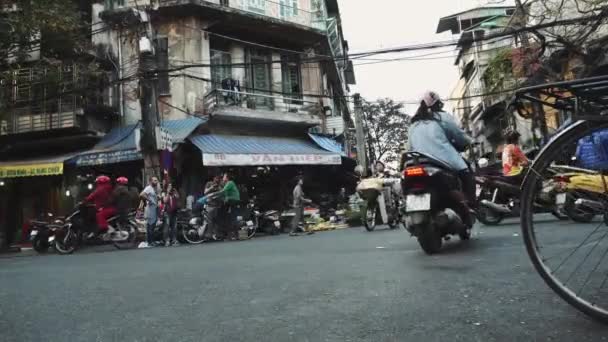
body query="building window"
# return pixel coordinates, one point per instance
(258, 6)
(221, 68)
(292, 79)
(113, 4)
(288, 8)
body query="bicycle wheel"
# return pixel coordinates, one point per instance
(570, 256)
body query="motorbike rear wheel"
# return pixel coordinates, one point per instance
(430, 240)
(41, 244)
(131, 229)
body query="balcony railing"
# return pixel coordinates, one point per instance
(48, 115)
(294, 11)
(254, 101)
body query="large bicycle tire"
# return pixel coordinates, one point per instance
(533, 177)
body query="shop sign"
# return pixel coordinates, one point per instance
(221, 159)
(103, 158)
(31, 170)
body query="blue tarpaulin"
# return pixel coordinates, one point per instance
(119, 144)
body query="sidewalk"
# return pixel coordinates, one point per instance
(18, 251)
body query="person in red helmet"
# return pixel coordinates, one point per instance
(121, 197)
(102, 198)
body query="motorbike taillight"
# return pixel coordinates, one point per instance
(415, 171)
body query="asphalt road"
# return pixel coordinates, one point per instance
(347, 285)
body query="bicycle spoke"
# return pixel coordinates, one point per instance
(563, 252)
(592, 271)
(585, 258)
(578, 247)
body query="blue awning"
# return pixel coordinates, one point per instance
(238, 150)
(328, 144)
(119, 145)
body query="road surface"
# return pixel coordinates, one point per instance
(347, 285)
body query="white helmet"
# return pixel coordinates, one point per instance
(430, 98)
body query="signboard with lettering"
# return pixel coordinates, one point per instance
(164, 140)
(31, 170)
(110, 157)
(220, 159)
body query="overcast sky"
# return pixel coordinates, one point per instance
(370, 25)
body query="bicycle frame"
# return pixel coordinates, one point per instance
(582, 97)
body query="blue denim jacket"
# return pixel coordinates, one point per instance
(441, 139)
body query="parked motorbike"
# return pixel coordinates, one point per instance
(433, 202)
(382, 199)
(580, 192)
(42, 233)
(80, 228)
(498, 197)
(197, 230)
(254, 220)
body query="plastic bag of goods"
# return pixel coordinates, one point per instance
(370, 188)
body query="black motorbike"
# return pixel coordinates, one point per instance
(434, 208)
(498, 198)
(42, 233)
(253, 219)
(80, 228)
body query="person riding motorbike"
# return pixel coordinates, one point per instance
(435, 133)
(121, 197)
(380, 170)
(513, 159)
(102, 197)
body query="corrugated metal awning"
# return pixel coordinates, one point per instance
(119, 144)
(238, 150)
(328, 144)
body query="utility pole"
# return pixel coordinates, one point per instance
(360, 134)
(148, 102)
(538, 113)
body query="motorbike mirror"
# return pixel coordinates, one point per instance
(483, 162)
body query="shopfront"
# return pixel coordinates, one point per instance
(266, 166)
(29, 189)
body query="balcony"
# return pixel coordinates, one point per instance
(298, 12)
(256, 107)
(65, 98)
(64, 115)
(306, 13)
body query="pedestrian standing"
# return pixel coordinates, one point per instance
(298, 203)
(213, 206)
(232, 198)
(171, 201)
(149, 195)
